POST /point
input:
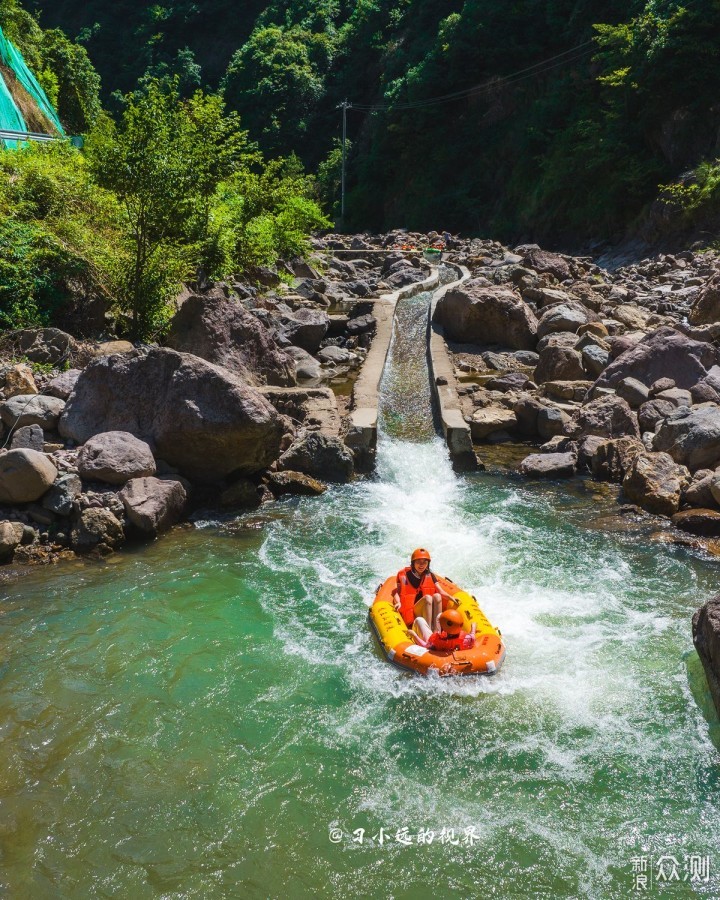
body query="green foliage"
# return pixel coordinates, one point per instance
(264, 213)
(57, 234)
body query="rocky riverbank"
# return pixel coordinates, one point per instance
(104, 442)
(615, 373)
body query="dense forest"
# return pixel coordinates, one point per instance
(582, 109)
(564, 121)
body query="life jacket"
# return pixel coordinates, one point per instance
(441, 640)
(411, 587)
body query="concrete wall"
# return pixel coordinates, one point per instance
(444, 386)
(362, 435)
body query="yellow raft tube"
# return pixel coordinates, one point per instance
(398, 644)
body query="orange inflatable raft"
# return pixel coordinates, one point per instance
(397, 642)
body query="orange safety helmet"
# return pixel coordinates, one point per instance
(451, 621)
(420, 554)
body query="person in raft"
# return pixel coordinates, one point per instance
(418, 593)
(451, 635)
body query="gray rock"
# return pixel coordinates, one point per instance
(608, 416)
(548, 465)
(62, 385)
(32, 409)
(551, 421)
(559, 364)
(662, 384)
(96, 529)
(542, 261)
(323, 457)
(11, 535)
(305, 328)
(154, 504)
(513, 381)
(362, 324)
(633, 391)
(526, 409)
(492, 419)
(664, 353)
(691, 436)
(652, 413)
(61, 496)
(306, 366)
(44, 345)
(676, 396)
(223, 332)
(199, 417)
(563, 317)
(480, 313)
(25, 475)
(594, 359)
(115, 457)
(337, 356)
(29, 437)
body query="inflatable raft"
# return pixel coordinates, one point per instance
(397, 642)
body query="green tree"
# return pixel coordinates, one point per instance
(163, 162)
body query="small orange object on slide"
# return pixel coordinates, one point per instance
(399, 646)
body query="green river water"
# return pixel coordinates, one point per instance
(209, 716)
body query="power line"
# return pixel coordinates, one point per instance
(567, 56)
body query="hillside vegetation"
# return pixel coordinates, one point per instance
(573, 148)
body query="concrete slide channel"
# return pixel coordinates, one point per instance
(362, 433)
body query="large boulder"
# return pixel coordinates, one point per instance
(96, 529)
(609, 416)
(224, 333)
(25, 475)
(706, 637)
(282, 483)
(44, 345)
(32, 409)
(655, 482)
(323, 457)
(542, 261)
(664, 353)
(548, 465)
(153, 504)
(305, 328)
(691, 436)
(200, 418)
(612, 459)
(480, 313)
(486, 421)
(706, 308)
(564, 317)
(559, 364)
(115, 457)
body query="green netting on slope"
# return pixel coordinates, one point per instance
(10, 116)
(12, 57)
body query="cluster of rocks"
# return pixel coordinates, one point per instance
(617, 373)
(118, 442)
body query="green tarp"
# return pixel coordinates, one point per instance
(10, 116)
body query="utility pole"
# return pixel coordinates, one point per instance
(344, 106)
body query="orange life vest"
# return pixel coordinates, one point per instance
(409, 594)
(441, 640)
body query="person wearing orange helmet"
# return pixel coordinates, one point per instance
(451, 635)
(418, 592)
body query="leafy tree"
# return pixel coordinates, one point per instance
(163, 162)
